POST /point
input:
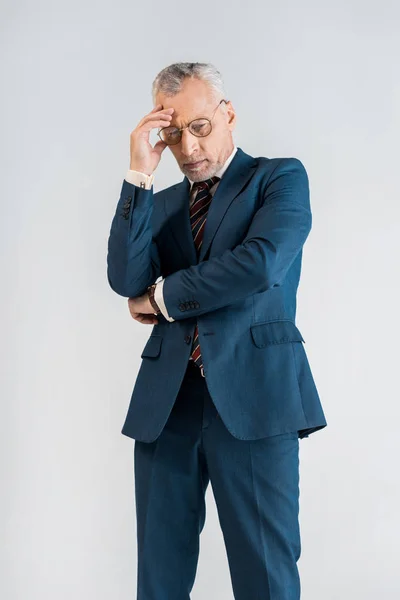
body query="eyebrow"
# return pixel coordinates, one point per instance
(174, 125)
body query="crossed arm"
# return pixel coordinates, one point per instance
(260, 262)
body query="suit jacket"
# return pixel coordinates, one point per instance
(241, 291)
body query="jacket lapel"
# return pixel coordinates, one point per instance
(232, 182)
(178, 219)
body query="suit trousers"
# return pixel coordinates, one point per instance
(255, 484)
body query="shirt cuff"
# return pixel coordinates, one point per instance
(159, 298)
(136, 178)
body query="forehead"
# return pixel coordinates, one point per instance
(194, 101)
(185, 114)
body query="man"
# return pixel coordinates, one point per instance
(224, 390)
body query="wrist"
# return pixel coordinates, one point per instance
(140, 169)
(150, 293)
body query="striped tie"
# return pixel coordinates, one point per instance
(200, 200)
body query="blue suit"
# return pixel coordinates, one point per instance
(258, 384)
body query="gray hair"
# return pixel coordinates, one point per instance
(169, 81)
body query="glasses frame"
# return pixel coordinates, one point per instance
(189, 124)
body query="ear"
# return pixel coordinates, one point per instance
(230, 111)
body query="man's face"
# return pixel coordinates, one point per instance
(196, 100)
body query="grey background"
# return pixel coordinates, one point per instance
(314, 80)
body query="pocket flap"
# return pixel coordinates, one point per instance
(153, 346)
(275, 332)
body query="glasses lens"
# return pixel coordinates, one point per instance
(200, 127)
(170, 135)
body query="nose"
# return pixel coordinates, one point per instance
(189, 143)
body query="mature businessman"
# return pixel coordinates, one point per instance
(224, 391)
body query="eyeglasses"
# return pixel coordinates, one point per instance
(198, 127)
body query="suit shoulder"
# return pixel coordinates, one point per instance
(286, 162)
(284, 173)
(272, 170)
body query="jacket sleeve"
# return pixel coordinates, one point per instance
(133, 261)
(260, 262)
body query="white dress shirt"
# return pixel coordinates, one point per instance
(136, 178)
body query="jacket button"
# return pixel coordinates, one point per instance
(182, 307)
(188, 338)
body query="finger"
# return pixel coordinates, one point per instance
(146, 319)
(142, 319)
(160, 146)
(149, 125)
(164, 114)
(160, 108)
(157, 121)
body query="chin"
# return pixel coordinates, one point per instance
(198, 175)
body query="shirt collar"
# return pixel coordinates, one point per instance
(222, 170)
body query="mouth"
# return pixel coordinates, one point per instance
(194, 165)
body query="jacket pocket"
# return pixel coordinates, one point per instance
(275, 332)
(152, 347)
